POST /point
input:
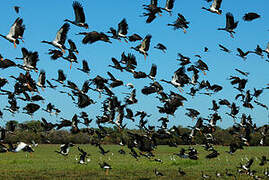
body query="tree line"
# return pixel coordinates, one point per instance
(33, 131)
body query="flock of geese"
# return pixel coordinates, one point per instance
(117, 112)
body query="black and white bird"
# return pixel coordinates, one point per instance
(181, 22)
(122, 29)
(24, 147)
(60, 38)
(29, 60)
(61, 77)
(16, 32)
(215, 7)
(105, 166)
(157, 173)
(230, 24)
(144, 46)
(64, 148)
(41, 79)
(72, 46)
(153, 72)
(82, 156)
(79, 15)
(169, 5)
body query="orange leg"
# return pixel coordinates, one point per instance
(145, 57)
(14, 44)
(63, 50)
(70, 66)
(107, 172)
(184, 30)
(204, 72)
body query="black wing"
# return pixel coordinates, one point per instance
(79, 12)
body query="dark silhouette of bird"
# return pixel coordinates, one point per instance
(80, 19)
(85, 67)
(214, 154)
(263, 161)
(31, 108)
(181, 22)
(71, 57)
(161, 47)
(72, 46)
(47, 126)
(94, 36)
(250, 16)
(184, 60)
(134, 37)
(61, 77)
(230, 24)
(17, 9)
(242, 72)
(55, 54)
(102, 151)
(152, 10)
(144, 46)
(6, 63)
(224, 48)
(3, 82)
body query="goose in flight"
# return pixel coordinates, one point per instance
(91, 37)
(251, 16)
(79, 16)
(215, 7)
(29, 59)
(169, 6)
(230, 24)
(16, 32)
(144, 46)
(181, 22)
(60, 38)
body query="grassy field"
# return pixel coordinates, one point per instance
(44, 163)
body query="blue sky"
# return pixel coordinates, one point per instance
(44, 18)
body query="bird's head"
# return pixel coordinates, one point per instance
(86, 26)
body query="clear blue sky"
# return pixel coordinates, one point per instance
(44, 18)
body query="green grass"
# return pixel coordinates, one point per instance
(44, 163)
